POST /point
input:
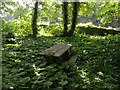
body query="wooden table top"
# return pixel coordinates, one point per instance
(57, 50)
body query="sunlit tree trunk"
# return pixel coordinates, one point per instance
(34, 21)
(74, 18)
(65, 17)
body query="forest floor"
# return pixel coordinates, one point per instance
(97, 65)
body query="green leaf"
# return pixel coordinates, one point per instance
(63, 83)
(48, 84)
(25, 80)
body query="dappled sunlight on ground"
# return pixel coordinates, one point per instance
(97, 64)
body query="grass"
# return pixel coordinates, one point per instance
(97, 65)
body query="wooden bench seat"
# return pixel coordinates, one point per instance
(56, 50)
(73, 58)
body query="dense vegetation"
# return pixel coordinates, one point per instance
(27, 34)
(96, 67)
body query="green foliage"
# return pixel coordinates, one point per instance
(86, 8)
(108, 12)
(23, 68)
(91, 29)
(97, 65)
(8, 6)
(51, 30)
(51, 10)
(20, 26)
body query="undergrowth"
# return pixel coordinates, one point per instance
(97, 65)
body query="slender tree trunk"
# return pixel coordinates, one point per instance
(74, 18)
(34, 21)
(65, 17)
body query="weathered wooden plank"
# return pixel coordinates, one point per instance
(73, 58)
(62, 50)
(57, 50)
(59, 46)
(50, 49)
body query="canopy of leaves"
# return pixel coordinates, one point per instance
(109, 12)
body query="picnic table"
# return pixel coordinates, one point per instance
(58, 52)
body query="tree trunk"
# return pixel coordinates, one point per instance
(65, 17)
(74, 18)
(34, 21)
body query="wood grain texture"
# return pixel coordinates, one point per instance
(57, 50)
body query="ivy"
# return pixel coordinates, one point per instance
(97, 65)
